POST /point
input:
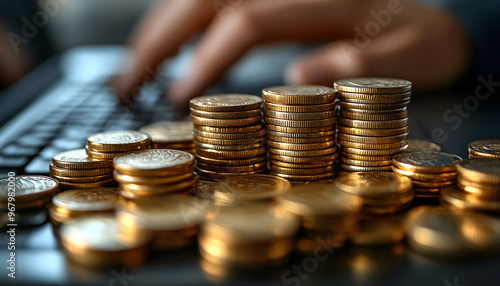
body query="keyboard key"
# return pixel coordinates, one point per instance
(13, 162)
(38, 165)
(16, 150)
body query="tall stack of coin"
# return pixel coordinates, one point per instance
(249, 235)
(485, 149)
(26, 193)
(176, 135)
(154, 172)
(373, 122)
(326, 215)
(229, 135)
(171, 222)
(382, 192)
(74, 169)
(430, 171)
(110, 144)
(300, 121)
(478, 186)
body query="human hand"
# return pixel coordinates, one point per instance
(366, 38)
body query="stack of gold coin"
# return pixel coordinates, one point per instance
(485, 149)
(373, 122)
(422, 145)
(74, 169)
(326, 215)
(96, 242)
(229, 135)
(430, 171)
(171, 222)
(377, 231)
(155, 172)
(254, 187)
(110, 144)
(478, 186)
(78, 203)
(382, 192)
(176, 135)
(248, 235)
(300, 122)
(26, 193)
(442, 233)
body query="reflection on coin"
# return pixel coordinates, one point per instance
(27, 188)
(427, 162)
(87, 200)
(118, 141)
(226, 102)
(373, 85)
(252, 187)
(78, 159)
(169, 132)
(374, 183)
(154, 162)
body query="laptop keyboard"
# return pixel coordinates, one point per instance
(91, 109)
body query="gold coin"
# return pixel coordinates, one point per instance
(225, 122)
(366, 158)
(485, 148)
(149, 190)
(385, 210)
(382, 152)
(231, 169)
(375, 97)
(372, 140)
(365, 163)
(78, 173)
(491, 192)
(364, 101)
(422, 145)
(154, 162)
(374, 184)
(176, 146)
(305, 171)
(231, 130)
(251, 187)
(302, 177)
(300, 108)
(427, 162)
(205, 190)
(374, 231)
(301, 166)
(398, 200)
(232, 147)
(385, 124)
(299, 94)
(319, 200)
(300, 124)
(78, 159)
(158, 180)
(27, 188)
(226, 102)
(436, 177)
(301, 130)
(229, 136)
(370, 106)
(295, 140)
(241, 154)
(226, 115)
(304, 160)
(299, 116)
(83, 179)
(432, 185)
(227, 142)
(130, 195)
(211, 175)
(353, 168)
(118, 141)
(427, 191)
(26, 206)
(321, 134)
(373, 132)
(373, 85)
(481, 170)
(237, 162)
(96, 242)
(457, 198)
(106, 183)
(370, 146)
(169, 132)
(71, 203)
(308, 153)
(370, 112)
(373, 116)
(301, 147)
(109, 156)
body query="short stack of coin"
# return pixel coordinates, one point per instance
(229, 135)
(248, 235)
(485, 149)
(300, 121)
(155, 172)
(478, 186)
(171, 222)
(383, 193)
(326, 215)
(74, 169)
(110, 144)
(176, 135)
(26, 193)
(430, 171)
(373, 122)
